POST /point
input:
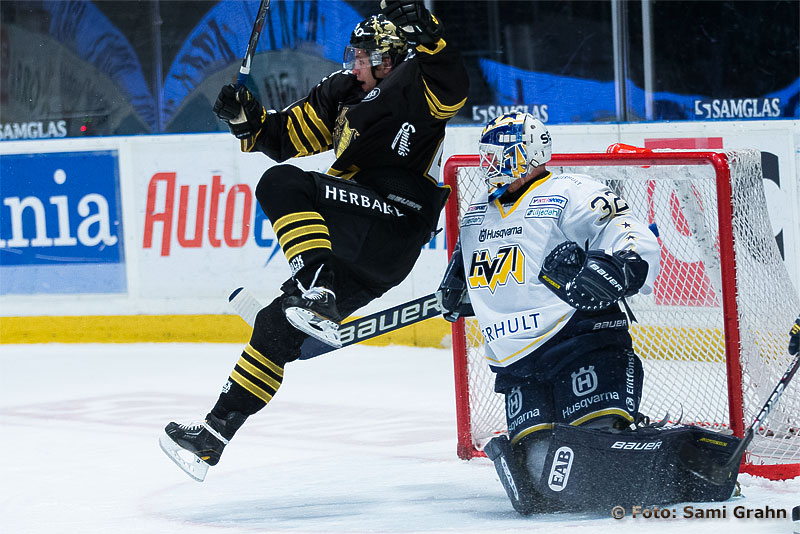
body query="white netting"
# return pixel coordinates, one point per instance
(680, 331)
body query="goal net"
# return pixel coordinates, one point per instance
(712, 336)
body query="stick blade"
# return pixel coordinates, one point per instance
(245, 305)
(704, 458)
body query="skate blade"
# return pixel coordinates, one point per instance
(188, 462)
(315, 326)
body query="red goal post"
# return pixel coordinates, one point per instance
(713, 336)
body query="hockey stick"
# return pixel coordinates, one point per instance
(719, 473)
(355, 331)
(258, 25)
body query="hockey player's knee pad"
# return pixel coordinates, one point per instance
(285, 189)
(274, 336)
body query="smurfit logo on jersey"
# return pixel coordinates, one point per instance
(61, 224)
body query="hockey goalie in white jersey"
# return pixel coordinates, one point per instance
(545, 261)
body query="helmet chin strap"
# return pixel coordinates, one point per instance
(498, 192)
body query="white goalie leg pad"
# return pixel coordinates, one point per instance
(191, 464)
(315, 326)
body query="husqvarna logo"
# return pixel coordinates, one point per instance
(584, 381)
(514, 403)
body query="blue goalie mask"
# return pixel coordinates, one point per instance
(510, 146)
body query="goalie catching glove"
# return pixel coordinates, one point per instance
(238, 108)
(592, 280)
(414, 20)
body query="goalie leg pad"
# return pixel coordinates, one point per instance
(593, 469)
(514, 477)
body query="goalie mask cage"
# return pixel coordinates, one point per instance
(712, 336)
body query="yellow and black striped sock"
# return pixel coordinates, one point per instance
(257, 374)
(306, 233)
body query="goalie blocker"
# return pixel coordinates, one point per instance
(588, 469)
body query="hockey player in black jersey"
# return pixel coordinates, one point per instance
(354, 232)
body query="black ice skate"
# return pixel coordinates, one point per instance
(315, 313)
(194, 447)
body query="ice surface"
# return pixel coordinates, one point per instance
(359, 440)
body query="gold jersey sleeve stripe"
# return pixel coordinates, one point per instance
(248, 144)
(263, 360)
(316, 147)
(298, 144)
(249, 386)
(312, 115)
(300, 232)
(437, 109)
(306, 245)
(258, 373)
(295, 217)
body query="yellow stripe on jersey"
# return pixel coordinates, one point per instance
(263, 360)
(312, 115)
(536, 183)
(298, 145)
(306, 245)
(437, 109)
(307, 133)
(440, 44)
(303, 230)
(249, 386)
(278, 225)
(525, 348)
(351, 171)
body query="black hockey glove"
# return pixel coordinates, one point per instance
(794, 337)
(414, 21)
(592, 280)
(452, 294)
(244, 114)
